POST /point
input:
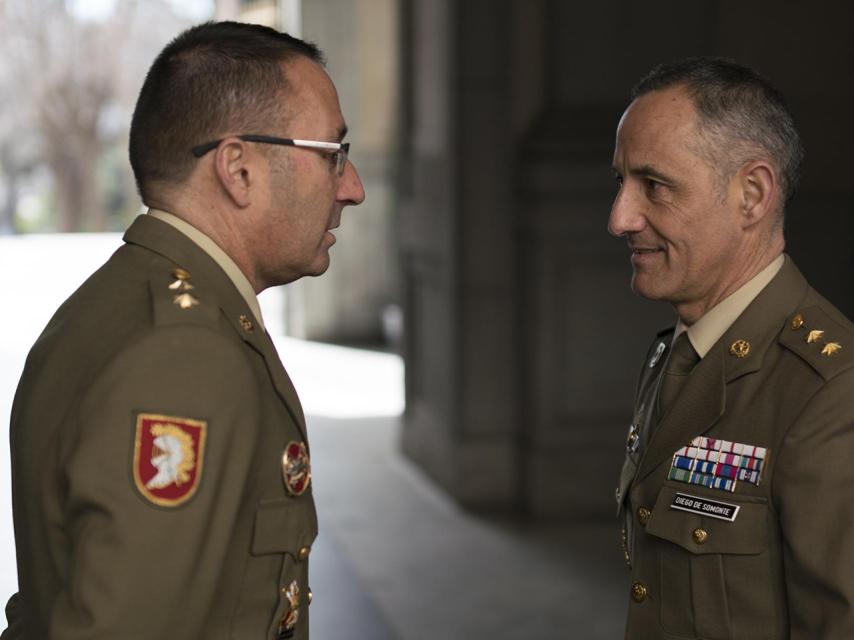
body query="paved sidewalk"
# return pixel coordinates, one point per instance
(433, 570)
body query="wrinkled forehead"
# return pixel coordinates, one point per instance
(659, 120)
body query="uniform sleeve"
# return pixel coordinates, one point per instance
(814, 487)
(14, 624)
(139, 569)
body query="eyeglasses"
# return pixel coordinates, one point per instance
(339, 150)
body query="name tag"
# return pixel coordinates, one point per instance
(705, 507)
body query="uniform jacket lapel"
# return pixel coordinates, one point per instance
(703, 398)
(164, 239)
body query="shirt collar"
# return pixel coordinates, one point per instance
(219, 256)
(704, 333)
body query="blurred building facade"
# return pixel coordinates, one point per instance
(523, 339)
(483, 130)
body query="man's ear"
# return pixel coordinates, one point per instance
(234, 170)
(759, 192)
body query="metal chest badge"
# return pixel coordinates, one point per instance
(288, 624)
(167, 457)
(296, 468)
(656, 357)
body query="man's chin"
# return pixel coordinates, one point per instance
(319, 266)
(644, 285)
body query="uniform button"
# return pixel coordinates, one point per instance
(700, 535)
(310, 596)
(639, 592)
(643, 515)
(303, 553)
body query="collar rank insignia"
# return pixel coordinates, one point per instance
(296, 468)
(718, 464)
(167, 458)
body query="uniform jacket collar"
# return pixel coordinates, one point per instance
(702, 400)
(167, 241)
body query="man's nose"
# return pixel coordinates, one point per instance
(350, 189)
(626, 214)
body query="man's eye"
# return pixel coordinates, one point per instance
(619, 179)
(653, 185)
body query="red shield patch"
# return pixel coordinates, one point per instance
(167, 457)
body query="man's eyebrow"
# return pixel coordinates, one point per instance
(342, 132)
(650, 171)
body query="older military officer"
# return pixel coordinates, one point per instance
(736, 492)
(161, 471)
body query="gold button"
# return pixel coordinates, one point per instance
(181, 274)
(643, 515)
(639, 592)
(700, 535)
(797, 322)
(310, 596)
(303, 553)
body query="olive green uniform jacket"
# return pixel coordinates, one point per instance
(98, 558)
(784, 567)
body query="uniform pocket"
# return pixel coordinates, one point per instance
(284, 530)
(284, 525)
(713, 564)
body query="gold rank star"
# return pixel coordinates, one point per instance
(814, 335)
(185, 300)
(182, 286)
(182, 280)
(830, 348)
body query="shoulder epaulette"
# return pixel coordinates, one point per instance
(176, 300)
(825, 344)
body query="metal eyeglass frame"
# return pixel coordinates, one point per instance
(340, 150)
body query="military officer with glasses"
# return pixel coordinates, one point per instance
(161, 467)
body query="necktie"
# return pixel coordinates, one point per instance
(680, 363)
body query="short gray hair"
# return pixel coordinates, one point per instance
(742, 117)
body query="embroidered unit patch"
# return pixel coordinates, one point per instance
(167, 457)
(718, 464)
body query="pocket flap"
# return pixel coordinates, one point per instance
(284, 526)
(747, 533)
